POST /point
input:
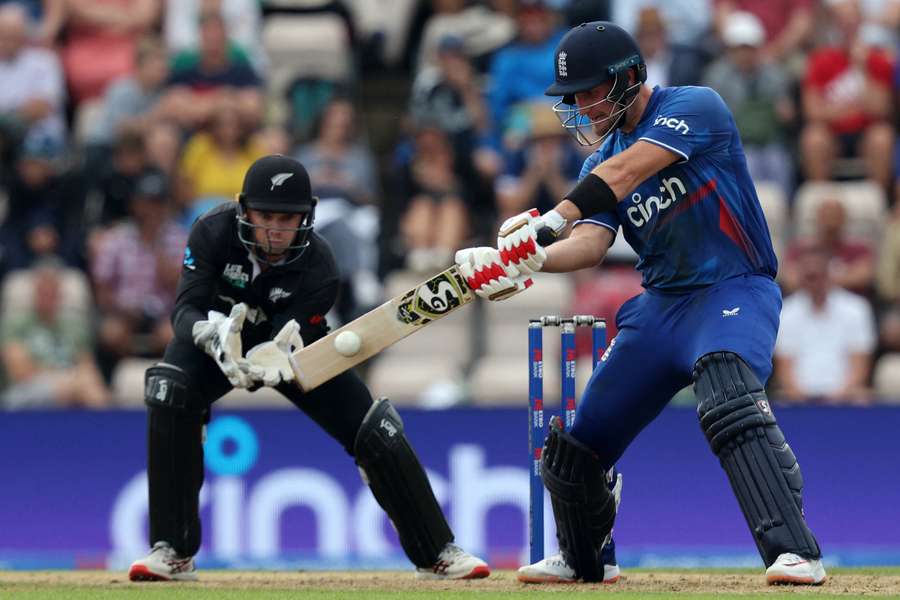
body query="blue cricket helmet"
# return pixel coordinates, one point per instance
(592, 53)
(587, 56)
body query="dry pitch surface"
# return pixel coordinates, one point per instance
(373, 585)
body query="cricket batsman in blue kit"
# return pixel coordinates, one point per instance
(671, 173)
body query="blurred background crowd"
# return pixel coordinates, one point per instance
(423, 124)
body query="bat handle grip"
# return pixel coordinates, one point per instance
(546, 236)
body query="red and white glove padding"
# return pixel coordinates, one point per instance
(484, 272)
(518, 243)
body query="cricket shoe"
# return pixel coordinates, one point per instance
(163, 564)
(454, 563)
(793, 569)
(554, 569)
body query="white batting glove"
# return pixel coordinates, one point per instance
(220, 337)
(269, 363)
(518, 243)
(484, 272)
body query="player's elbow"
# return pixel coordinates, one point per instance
(620, 176)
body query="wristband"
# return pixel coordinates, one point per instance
(592, 195)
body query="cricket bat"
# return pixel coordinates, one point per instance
(381, 327)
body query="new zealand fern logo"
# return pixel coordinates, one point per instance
(280, 178)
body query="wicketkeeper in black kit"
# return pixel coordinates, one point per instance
(259, 262)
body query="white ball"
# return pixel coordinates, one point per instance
(347, 343)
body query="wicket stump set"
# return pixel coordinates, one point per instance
(536, 431)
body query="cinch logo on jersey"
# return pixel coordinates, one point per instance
(672, 123)
(672, 190)
(234, 274)
(277, 294)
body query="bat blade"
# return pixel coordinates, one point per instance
(382, 327)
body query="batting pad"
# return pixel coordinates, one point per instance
(739, 424)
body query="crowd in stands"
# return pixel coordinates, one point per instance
(423, 124)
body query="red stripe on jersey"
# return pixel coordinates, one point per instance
(730, 226)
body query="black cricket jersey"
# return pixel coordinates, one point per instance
(219, 271)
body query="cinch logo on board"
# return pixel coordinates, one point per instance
(671, 191)
(672, 123)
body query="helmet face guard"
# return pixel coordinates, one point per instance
(581, 127)
(247, 235)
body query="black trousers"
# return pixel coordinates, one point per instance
(175, 461)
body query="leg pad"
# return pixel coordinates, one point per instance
(583, 505)
(739, 424)
(392, 470)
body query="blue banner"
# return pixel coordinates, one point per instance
(278, 491)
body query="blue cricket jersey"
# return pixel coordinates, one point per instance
(698, 221)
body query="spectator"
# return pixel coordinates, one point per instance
(847, 102)
(687, 21)
(242, 19)
(135, 100)
(449, 93)
(47, 354)
(45, 206)
(759, 98)
(827, 336)
(32, 91)
(480, 30)
(852, 264)
(519, 72)
(668, 63)
(788, 25)
(435, 216)
(340, 164)
(48, 16)
(543, 171)
(100, 40)
(116, 179)
(202, 78)
(162, 145)
(215, 159)
(887, 278)
(342, 171)
(135, 272)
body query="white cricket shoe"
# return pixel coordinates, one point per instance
(794, 569)
(163, 564)
(554, 569)
(455, 563)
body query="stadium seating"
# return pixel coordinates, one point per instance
(886, 378)
(775, 208)
(864, 202)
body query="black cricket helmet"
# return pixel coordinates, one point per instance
(588, 55)
(278, 184)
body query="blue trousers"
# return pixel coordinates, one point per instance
(661, 335)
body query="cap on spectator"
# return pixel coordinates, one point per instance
(743, 29)
(41, 146)
(450, 43)
(151, 185)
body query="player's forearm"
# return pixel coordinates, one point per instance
(573, 254)
(183, 318)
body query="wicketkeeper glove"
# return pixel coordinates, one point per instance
(269, 363)
(485, 273)
(220, 337)
(522, 238)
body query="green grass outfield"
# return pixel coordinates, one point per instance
(321, 585)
